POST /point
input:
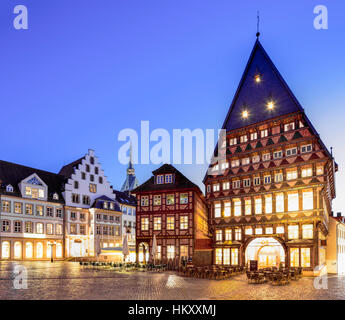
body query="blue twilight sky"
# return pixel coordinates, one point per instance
(84, 70)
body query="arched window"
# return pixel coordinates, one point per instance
(39, 250)
(5, 250)
(17, 250)
(58, 250)
(29, 250)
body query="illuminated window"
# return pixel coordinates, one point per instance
(267, 179)
(170, 199)
(144, 201)
(289, 126)
(216, 187)
(184, 222)
(227, 209)
(160, 179)
(238, 234)
(219, 256)
(217, 210)
(17, 250)
(28, 209)
(6, 226)
(269, 230)
(39, 210)
(17, 207)
(266, 156)
(5, 250)
(225, 165)
(306, 148)
(256, 159)
(50, 228)
(170, 223)
(246, 182)
(157, 223)
(17, 226)
(293, 232)
(6, 206)
(233, 141)
(256, 181)
(319, 170)
(236, 184)
(27, 191)
(226, 256)
(39, 250)
(293, 201)
(278, 177)
(228, 234)
(28, 227)
(215, 167)
(170, 252)
(235, 163)
(157, 200)
(226, 185)
(245, 161)
(294, 257)
(219, 235)
(291, 174)
(248, 206)
(279, 202)
(58, 229)
(144, 224)
(291, 152)
(258, 206)
(29, 250)
(248, 231)
(234, 256)
(264, 133)
(307, 231)
(258, 231)
(184, 251)
(305, 257)
(237, 207)
(243, 138)
(268, 203)
(280, 230)
(39, 228)
(277, 154)
(307, 172)
(92, 187)
(168, 178)
(253, 136)
(34, 193)
(58, 251)
(308, 200)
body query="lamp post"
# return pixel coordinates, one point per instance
(51, 251)
(128, 232)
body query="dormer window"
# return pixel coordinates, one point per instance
(168, 178)
(160, 179)
(111, 206)
(9, 188)
(34, 192)
(105, 205)
(55, 196)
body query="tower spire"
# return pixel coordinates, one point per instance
(258, 25)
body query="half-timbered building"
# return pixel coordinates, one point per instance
(269, 194)
(172, 208)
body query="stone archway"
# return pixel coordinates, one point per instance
(268, 251)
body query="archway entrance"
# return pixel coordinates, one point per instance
(267, 251)
(143, 254)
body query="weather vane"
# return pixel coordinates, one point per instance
(258, 25)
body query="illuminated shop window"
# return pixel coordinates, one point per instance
(293, 201)
(226, 256)
(219, 256)
(234, 256)
(5, 250)
(217, 210)
(305, 257)
(170, 252)
(29, 250)
(17, 250)
(184, 251)
(258, 206)
(293, 232)
(294, 257)
(39, 250)
(279, 202)
(308, 203)
(227, 209)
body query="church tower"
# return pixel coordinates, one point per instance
(131, 181)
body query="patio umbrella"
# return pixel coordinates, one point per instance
(154, 248)
(125, 249)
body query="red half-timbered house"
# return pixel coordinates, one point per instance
(172, 208)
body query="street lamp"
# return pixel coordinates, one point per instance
(51, 250)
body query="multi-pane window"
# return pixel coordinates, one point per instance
(39, 228)
(6, 226)
(253, 136)
(305, 257)
(98, 229)
(144, 224)
(256, 181)
(235, 163)
(234, 256)
(246, 182)
(28, 227)
(294, 257)
(28, 209)
(227, 209)
(308, 200)
(170, 199)
(184, 222)
(248, 231)
(279, 202)
(219, 235)
(256, 159)
(92, 188)
(236, 184)
(217, 210)
(268, 203)
(264, 133)
(39, 210)
(258, 205)
(280, 230)
(267, 179)
(216, 187)
(245, 161)
(157, 200)
(82, 229)
(228, 234)
(160, 179)
(307, 231)
(168, 178)
(293, 231)
(73, 215)
(59, 229)
(183, 198)
(170, 223)
(49, 212)
(170, 252)
(248, 206)
(49, 228)
(293, 201)
(17, 207)
(76, 184)
(226, 185)
(278, 177)
(243, 138)
(75, 198)
(144, 201)
(86, 200)
(225, 165)
(59, 213)
(226, 256)
(17, 226)
(105, 230)
(258, 230)
(238, 234)
(157, 223)
(289, 126)
(237, 207)
(266, 156)
(291, 152)
(307, 172)
(269, 230)
(306, 148)
(277, 154)
(233, 141)
(219, 256)
(291, 174)
(6, 206)
(184, 251)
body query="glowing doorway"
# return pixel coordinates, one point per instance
(267, 251)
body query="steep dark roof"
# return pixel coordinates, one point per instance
(13, 174)
(125, 198)
(98, 203)
(253, 96)
(181, 181)
(68, 169)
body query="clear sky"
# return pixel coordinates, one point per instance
(84, 70)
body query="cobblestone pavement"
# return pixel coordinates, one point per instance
(68, 280)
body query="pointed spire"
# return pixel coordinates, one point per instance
(131, 181)
(258, 25)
